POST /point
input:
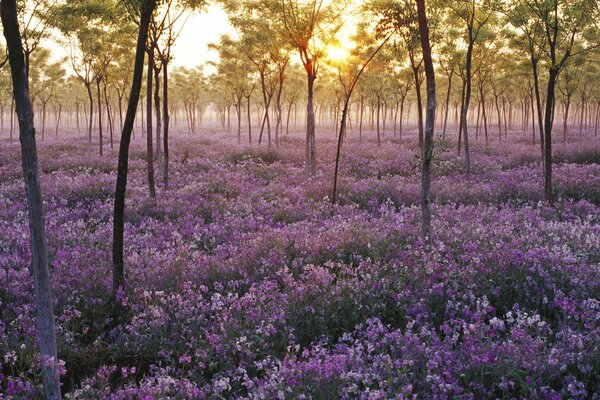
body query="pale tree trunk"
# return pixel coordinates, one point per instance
(29, 162)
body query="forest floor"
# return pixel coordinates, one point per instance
(244, 282)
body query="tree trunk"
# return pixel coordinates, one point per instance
(58, 119)
(110, 120)
(249, 121)
(310, 151)
(419, 105)
(427, 150)
(149, 130)
(43, 120)
(98, 79)
(465, 110)
(378, 113)
(566, 116)
(158, 119)
(123, 166)
(29, 162)
(447, 104)
(88, 87)
(548, 120)
(165, 116)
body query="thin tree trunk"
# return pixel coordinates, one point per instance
(165, 116)
(158, 119)
(427, 150)
(123, 166)
(447, 105)
(149, 130)
(98, 79)
(548, 133)
(90, 116)
(311, 162)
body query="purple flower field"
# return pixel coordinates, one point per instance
(243, 282)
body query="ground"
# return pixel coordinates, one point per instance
(244, 282)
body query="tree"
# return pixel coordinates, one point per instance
(310, 26)
(475, 15)
(146, 9)
(35, 17)
(564, 22)
(39, 256)
(97, 33)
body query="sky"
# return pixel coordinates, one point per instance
(200, 29)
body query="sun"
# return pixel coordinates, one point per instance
(337, 54)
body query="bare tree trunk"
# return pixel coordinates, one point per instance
(165, 125)
(157, 110)
(58, 119)
(548, 121)
(149, 144)
(29, 162)
(123, 166)
(427, 151)
(447, 104)
(311, 162)
(98, 79)
(249, 121)
(110, 121)
(90, 117)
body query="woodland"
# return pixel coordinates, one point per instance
(350, 199)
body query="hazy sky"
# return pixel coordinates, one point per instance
(191, 47)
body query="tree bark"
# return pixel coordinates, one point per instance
(29, 162)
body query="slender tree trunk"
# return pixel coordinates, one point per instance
(29, 162)
(88, 87)
(12, 117)
(110, 120)
(58, 119)
(123, 166)
(548, 121)
(427, 150)
(362, 111)
(465, 111)
(98, 79)
(485, 126)
(287, 123)
(249, 121)
(165, 117)
(310, 152)
(157, 110)
(378, 112)
(149, 130)
(419, 105)
(43, 120)
(77, 118)
(447, 104)
(566, 117)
